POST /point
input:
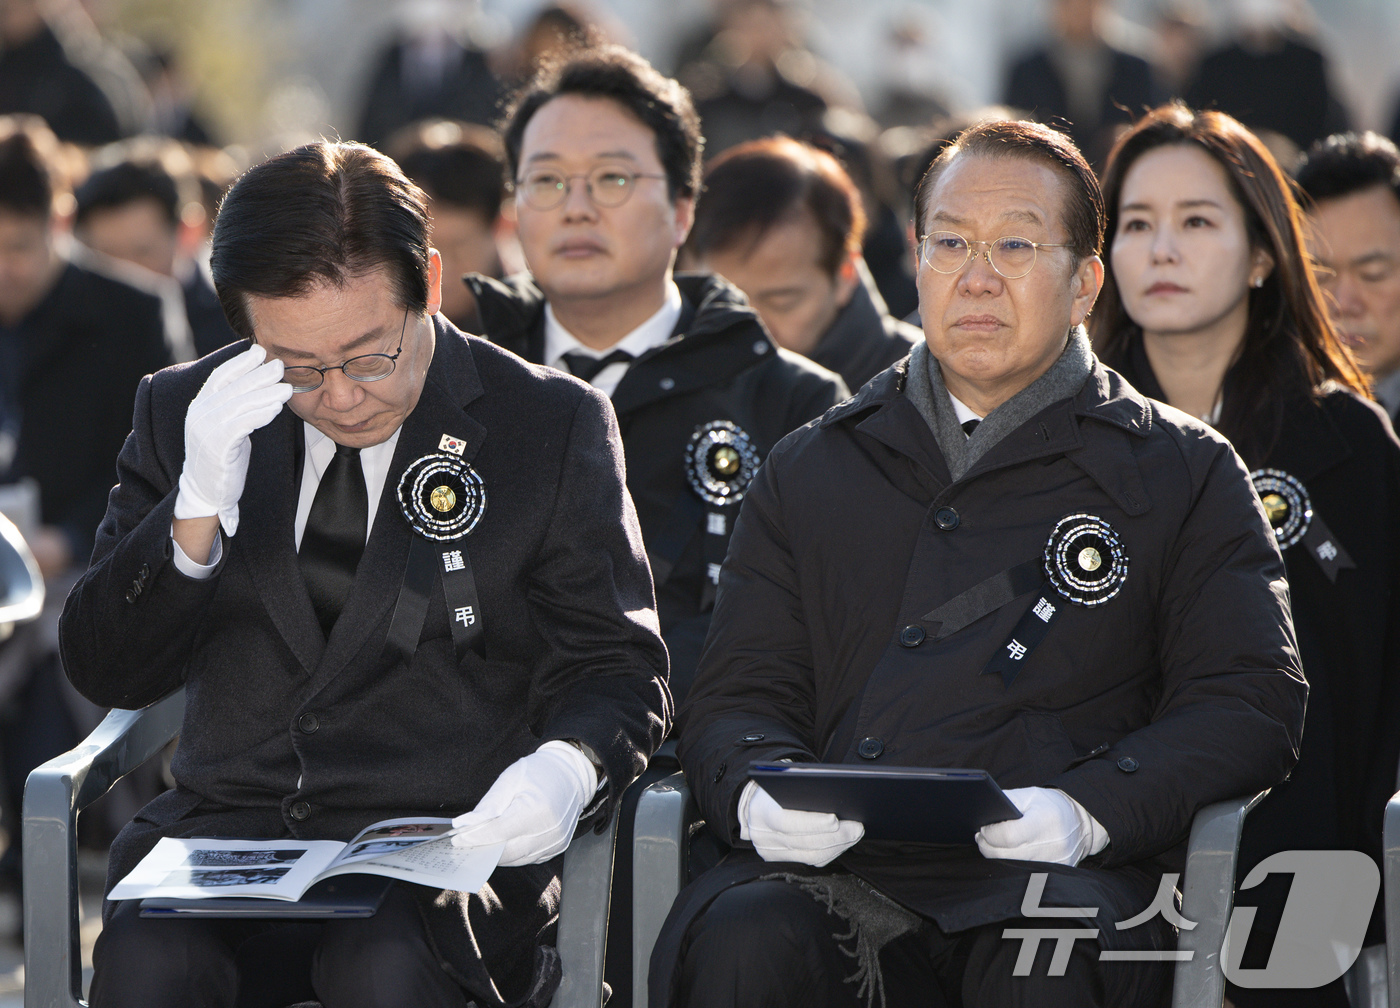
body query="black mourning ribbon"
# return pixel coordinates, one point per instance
(334, 536)
(586, 366)
(969, 426)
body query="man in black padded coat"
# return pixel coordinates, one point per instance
(398, 574)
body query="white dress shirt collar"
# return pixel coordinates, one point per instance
(652, 333)
(319, 452)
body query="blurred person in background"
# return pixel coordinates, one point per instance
(1079, 80)
(1272, 76)
(757, 77)
(1178, 43)
(430, 68)
(1353, 181)
(1211, 306)
(73, 346)
(782, 221)
(462, 168)
(40, 77)
(173, 111)
(142, 207)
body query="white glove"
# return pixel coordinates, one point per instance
(534, 806)
(241, 395)
(779, 834)
(1053, 827)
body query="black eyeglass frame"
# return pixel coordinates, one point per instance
(391, 358)
(566, 183)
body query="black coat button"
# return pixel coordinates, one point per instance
(131, 596)
(870, 748)
(719, 773)
(912, 635)
(946, 518)
(755, 737)
(137, 587)
(145, 571)
(1127, 764)
(301, 810)
(308, 723)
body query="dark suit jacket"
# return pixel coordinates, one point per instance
(83, 349)
(570, 648)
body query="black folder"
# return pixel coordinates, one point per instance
(353, 895)
(911, 804)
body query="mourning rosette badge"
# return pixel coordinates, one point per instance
(720, 462)
(1286, 503)
(441, 496)
(1085, 560)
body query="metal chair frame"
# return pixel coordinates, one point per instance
(57, 791)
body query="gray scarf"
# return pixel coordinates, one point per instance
(930, 397)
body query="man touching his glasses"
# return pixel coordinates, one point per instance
(398, 574)
(605, 154)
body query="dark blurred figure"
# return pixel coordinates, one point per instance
(782, 221)
(173, 112)
(1272, 77)
(430, 69)
(38, 76)
(756, 77)
(144, 211)
(1081, 83)
(462, 168)
(73, 346)
(1178, 43)
(1354, 184)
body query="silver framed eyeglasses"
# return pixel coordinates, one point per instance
(607, 185)
(1012, 257)
(364, 368)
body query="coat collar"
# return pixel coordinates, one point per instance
(268, 512)
(1106, 401)
(717, 337)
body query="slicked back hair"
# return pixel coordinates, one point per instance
(1290, 345)
(325, 213)
(1082, 210)
(751, 188)
(609, 71)
(1345, 163)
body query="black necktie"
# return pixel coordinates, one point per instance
(334, 536)
(586, 366)
(969, 426)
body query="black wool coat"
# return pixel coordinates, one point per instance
(570, 648)
(719, 365)
(1182, 689)
(1344, 452)
(83, 350)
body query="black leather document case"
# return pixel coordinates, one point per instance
(911, 804)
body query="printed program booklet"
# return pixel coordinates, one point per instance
(410, 850)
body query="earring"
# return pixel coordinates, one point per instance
(1257, 282)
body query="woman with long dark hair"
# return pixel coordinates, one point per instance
(1210, 304)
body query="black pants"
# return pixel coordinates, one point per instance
(767, 944)
(382, 961)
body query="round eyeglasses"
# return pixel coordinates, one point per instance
(1012, 257)
(364, 368)
(607, 185)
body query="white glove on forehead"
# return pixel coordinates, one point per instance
(533, 807)
(779, 834)
(242, 394)
(1053, 827)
